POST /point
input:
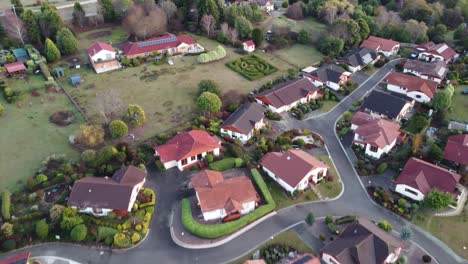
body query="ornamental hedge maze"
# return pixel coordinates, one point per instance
(251, 67)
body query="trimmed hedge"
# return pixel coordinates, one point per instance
(6, 203)
(251, 67)
(226, 164)
(45, 71)
(215, 231)
(345, 219)
(153, 200)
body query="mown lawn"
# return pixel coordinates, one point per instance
(26, 135)
(451, 230)
(328, 105)
(287, 238)
(333, 188)
(459, 111)
(299, 55)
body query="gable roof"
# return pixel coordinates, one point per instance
(426, 176)
(98, 46)
(359, 57)
(156, 44)
(249, 43)
(456, 149)
(104, 192)
(329, 72)
(245, 117)
(385, 103)
(379, 44)
(362, 242)
(441, 49)
(287, 93)
(375, 131)
(412, 83)
(291, 166)
(437, 69)
(14, 67)
(187, 144)
(214, 192)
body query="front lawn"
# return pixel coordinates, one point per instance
(251, 67)
(459, 105)
(329, 189)
(226, 164)
(451, 230)
(328, 105)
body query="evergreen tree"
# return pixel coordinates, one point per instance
(31, 24)
(363, 28)
(257, 36)
(79, 15)
(66, 41)
(108, 11)
(49, 20)
(18, 6)
(244, 27)
(51, 52)
(208, 7)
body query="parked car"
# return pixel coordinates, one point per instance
(465, 91)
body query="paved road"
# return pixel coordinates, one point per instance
(159, 247)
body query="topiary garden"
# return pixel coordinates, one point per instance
(251, 67)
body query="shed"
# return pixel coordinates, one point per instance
(248, 46)
(59, 72)
(75, 80)
(15, 68)
(21, 54)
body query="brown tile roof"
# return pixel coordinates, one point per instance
(104, 192)
(375, 131)
(412, 83)
(287, 93)
(426, 176)
(187, 144)
(456, 149)
(362, 242)
(376, 43)
(243, 120)
(291, 166)
(155, 44)
(436, 69)
(214, 192)
(441, 49)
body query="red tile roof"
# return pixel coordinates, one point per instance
(98, 46)
(186, 145)
(17, 259)
(291, 166)
(160, 44)
(14, 67)
(426, 176)
(456, 149)
(214, 192)
(249, 43)
(287, 93)
(379, 44)
(441, 49)
(254, 261)
(412, 83)
(375, 131)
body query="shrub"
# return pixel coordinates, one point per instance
(251, 67)
(310, 219)
(402, 260)
(104, 233)
(160, 166)
(7, 229)
(385, 226)
(332, 228)
(209, 158)
(118, 128)
(329, 219)
(79, 232)
(6, 203)
(70, 219)
(437, 200)
(345, 219)
(323, 237)
(138, 227)
(1, 109)
(153, 199)
(238, 162)
(285, 4)
(382, 168)
(45, 71)
(42, 229)
(135, 238)
(135, 115)
(9, 245)
(213, 55)
(209, 102)
(90, 135)
(208, 86)
(426, 259)
(405, 233)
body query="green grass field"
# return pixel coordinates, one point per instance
(299, 55)
(459, 111)
(328, 105)
(26, 135)
(329, 189)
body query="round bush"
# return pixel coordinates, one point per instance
(1, 109)
(42, 229)
(118, 128)
(135, 238)
(79, 232)
(9, 245)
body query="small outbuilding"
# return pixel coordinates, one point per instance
(59, 72)
(75, 80)
(21, 55)
(249, 46)
(15, 68)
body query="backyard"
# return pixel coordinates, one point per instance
(27, 136)
(459, 111)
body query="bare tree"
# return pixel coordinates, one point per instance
(225, 29)
(415, 29)
(109, 105)
(207, 23)
(169, 8)
(295, 11)
(233, 35)
(145, 21)
(15, 27)
(98, 18)
(385, 17)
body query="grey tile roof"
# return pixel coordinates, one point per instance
(384, 103)
(244, 118)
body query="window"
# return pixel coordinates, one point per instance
(192, 158)
(373, 148)
(184, 162)
(411, 191)
(210, 152)
(418, 96)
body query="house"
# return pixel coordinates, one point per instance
(294, 170)
(387, 105)
(436, 52)
(187, 148)
(102, 57)
(248, 46)
(433, 71)
(219, 197)
(266, 5)
(414, 87)
(456, 149)
(22, 258)
(286, 95)
(101, 195)
(15, 69)
(387, 47)
(306, 258)
(359, 58)
(244, 121)
(330, 75)
(419, 177)
(377, 136)
(169, 44)
(362, 242)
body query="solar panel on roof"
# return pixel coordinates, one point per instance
(156, 42)
(303, 260)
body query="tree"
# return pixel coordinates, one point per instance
(443, 98)
(348, 30)
(90, 135)
(244, 27)
(51, 52)
(209, 102)
(108, 11)
(79, 232)
(145, 20)
(363, 28)
(55, 212)
(32, 27)
(169, 8)
(310, 219)
(15, 28)
(417, 9)
(42, 229)
(435, 153)
(437, 33)
(18, 6)
(118, 128)
(417, 140)
(49, 20)
(405, 233)
(79, 15)
(460, 35)
(208, 86)
(294, 11)
(66, 41)
(208, 23)
(417, 30)
(109, 104)
(6, 203)
(258, 36)
(208, 7)
(303, 37)
(7, 229)
(437, 200)
(135, 115)
(331, 46)
(121, 7)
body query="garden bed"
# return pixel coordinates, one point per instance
(251, 67)
(393, 202)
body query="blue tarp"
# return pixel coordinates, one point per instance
(75, 79)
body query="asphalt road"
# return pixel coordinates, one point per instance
(159, 247)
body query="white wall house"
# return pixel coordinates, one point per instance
(315, 175)
(181, 164)
(372, 151)
(418, 96)
(409, 192)
(249, 46)
(329, 259)
(243, 137)
(103, 57)
(288, 107)
(424, 76)
(221, 213)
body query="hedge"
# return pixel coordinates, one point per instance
(226, 164)
(45, 71)
(215, 231)
(345, 219)
(152, 202)
(6, 205)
